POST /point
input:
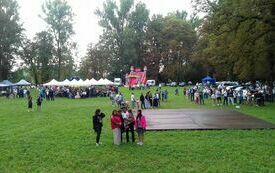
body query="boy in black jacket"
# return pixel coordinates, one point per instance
(98, 123)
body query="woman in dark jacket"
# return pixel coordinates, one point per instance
(98, 123)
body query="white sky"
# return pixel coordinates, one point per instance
(86, 25)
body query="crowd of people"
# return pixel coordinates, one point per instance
(230, 95)
(123, 122)
(76, 92)
(145, 101)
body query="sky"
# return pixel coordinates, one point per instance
(85, 24)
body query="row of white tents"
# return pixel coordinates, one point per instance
(79, 83)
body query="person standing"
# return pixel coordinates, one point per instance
(176, 91)
(97, 124)
(116, 127)
(122, 126)
(133, 101)
(140, 124)
(130, 121)
(51, 94)
(112, 97)
(230, 97)
(147, 101)
(218, 97)
(39, 103)
(29, 103)
(225, 98)
(142, 101)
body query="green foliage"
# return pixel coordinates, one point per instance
(124, 27)
(96, 64)
(236, 39)
(59, 139)
(38, 57)
(59, 17)
(10, 36)
(169, 43)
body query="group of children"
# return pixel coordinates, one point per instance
(122, 121)
(38, 102)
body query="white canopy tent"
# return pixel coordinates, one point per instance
(52, 83)
(80, 83)
(87, 82)
(93, 82)
(65, 82)
(22, 82)
(74, 83)
(108, 82)
(101, 82)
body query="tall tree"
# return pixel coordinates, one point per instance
(44, 55)
(236, 38)
(29, 56)
(38, 57)
(10, 35)
(124, 26)
(96, 63)
(169, 45)
(59, 17)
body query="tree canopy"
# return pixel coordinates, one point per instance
(10, 36)
(233, 41)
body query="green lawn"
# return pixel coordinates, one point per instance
(59, 139)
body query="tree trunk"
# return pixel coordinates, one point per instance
(59, 61)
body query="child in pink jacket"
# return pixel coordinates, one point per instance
(140, 124)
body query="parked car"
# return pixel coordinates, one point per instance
(117, 81)
(168, 84)
(161, 84)
(182, 84)
(229, 84)
(173, 84)
(151, 82)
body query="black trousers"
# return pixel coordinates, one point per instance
(132, 130)
(98, 133)
(142, 105)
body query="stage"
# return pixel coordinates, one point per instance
(201, 119)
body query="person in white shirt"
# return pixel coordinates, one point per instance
(133, 101)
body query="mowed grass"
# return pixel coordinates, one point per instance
(59, 139)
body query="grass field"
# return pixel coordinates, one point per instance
(59, 139)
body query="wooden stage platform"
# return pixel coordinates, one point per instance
(201, 119)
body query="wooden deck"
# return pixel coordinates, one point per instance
(201, 119)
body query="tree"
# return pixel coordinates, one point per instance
(30, 58)
(236, 38)
(44, 55)
(124, 28)
(10, 36)
(169, 45)
(38, 57)
(96, 63)
(59, 17)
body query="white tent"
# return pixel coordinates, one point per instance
(81, 83)
(93, 82)
(22, 82)
(74, 82)
(108, 82)
(87, 82)
(65, 82)
(52, 83)
(101, 82)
